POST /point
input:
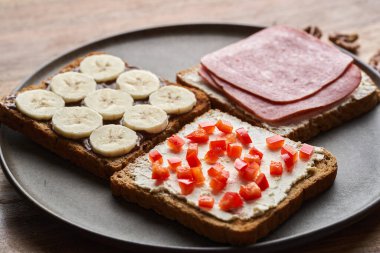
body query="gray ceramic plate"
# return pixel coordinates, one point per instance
(78, 198)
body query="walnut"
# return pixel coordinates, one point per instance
(346, 41)
(314, 31)
(375, 61)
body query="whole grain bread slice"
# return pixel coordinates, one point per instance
(362, 100)
(79, 152)
(237, 231)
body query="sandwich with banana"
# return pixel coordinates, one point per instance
(100, 113)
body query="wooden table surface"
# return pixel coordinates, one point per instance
(32, 32)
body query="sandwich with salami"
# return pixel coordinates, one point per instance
(285, 80)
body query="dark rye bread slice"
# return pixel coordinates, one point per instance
(78, 152)
(362, 100)
(236, 232)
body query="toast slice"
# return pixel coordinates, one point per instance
(79, 151)
(132, 184)
(362, 100)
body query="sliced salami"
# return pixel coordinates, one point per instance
(280, 64)
(277, 113)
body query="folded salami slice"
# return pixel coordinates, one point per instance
(280, 64)
(276, 113)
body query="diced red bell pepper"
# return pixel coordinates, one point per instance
(217, 148)
(215, 170)
(198, 136)
(292, 152)
(206, 201)
(212, 156)
(223, 176)
(289, 163)
(250, 191)
(216, 185)
(230, 138)
(306, 151)
(275, 168)
(219, 181)
(192, 149)
(262, 182)
(224, 126)
(198, 175)
(159, 172)
(275, 142)
(243, 136)
(255, 151)
(175, 143)
(193, 160)
(155, 156)
(174, 162)
(254, 165)
(218, 145)
(234, 150)
(184, 172)
(192, 155)
(230, 201)
(252, 158)
(246, 172)
(250, 173)
(186, 185)
(240, 165)
(208, 126)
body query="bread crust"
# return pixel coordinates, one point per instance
(236, 232)
(302, 131)
(74, 151)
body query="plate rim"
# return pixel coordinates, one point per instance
(284, 242)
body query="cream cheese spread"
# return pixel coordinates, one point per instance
(279, 186)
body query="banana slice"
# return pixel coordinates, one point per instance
(76, 122)
(39, 104)
(173, 99)
(113, 140)
(146, 118)
(139, 83)
(72, 86)
(111, 104)
(102, 67)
